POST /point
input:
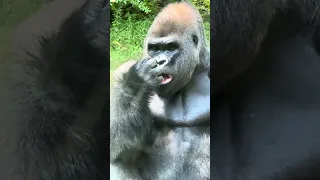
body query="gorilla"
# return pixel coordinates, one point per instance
(265, 76)
(160, 105)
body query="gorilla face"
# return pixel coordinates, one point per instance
(175, 51)
(176, 61)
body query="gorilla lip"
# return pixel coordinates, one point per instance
(166, 78)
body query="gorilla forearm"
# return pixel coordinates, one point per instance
(130, 117)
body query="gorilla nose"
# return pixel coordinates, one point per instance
(162, 61)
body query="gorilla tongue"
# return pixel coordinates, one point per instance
(166, 79)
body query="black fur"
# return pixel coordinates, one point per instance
(55, 141)
(239, 28)
(265, 78)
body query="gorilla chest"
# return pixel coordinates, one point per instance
(189, 107)
(182, 123)
(180, 139)
(183, 133)
(178, 153)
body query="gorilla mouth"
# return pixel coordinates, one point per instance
(166, 78)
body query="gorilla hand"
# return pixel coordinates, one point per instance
(151, 71)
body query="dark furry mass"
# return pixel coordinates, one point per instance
(265, 78)
(61, 91)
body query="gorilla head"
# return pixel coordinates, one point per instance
(175, 47)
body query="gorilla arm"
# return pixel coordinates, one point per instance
(130, 121)
(128, 110)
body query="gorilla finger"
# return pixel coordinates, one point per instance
(146, 64)
(151, 64)
(154, 81)
(159, 79)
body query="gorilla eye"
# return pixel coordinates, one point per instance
(195, 39)
(172, 46)
(153, 47)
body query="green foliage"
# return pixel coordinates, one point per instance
(138, 9)
(122, 8)
(204, 8)
(126, 40)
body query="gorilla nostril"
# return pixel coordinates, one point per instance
(162, 62)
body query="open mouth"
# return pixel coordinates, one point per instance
(166, 78)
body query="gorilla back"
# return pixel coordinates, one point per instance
(160, 107)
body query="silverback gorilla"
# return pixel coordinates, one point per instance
(160, 107)
(265, 79)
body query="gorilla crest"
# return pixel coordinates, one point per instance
(160, 107)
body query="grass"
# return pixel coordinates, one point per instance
(126, 40)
